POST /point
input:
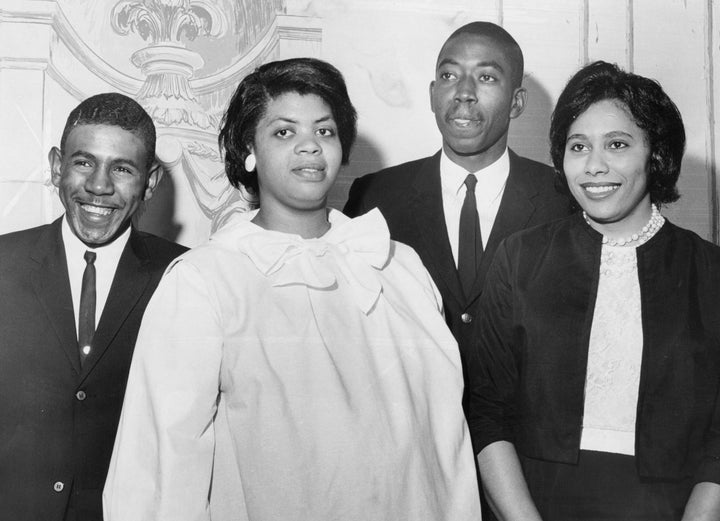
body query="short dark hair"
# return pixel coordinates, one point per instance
(651, 109)
(250, 100)
(112, 108)
(500, 36)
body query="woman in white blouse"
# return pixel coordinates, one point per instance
(297, 366)
(598, 353)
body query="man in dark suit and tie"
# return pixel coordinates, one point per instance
(62, 379)
(456, 206)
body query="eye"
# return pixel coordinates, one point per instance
(284, 133)
(325, 132)
(122, 170)
(487, 78)
(577, 147)
(447, 76)
(82, 163)
(617, 145)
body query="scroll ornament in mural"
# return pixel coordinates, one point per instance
(166, 63)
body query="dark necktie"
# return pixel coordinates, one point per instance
(470, 246)
(86, 317)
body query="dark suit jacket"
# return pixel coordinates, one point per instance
(58, 420)
(409, 196)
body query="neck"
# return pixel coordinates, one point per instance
(477, 161)
(306, 224)
(626, 226)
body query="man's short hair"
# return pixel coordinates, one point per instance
(118, 110)
(500, 36)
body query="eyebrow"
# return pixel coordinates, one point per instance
(286, 119)
(611, 134)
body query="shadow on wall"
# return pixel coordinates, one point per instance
(529, 133)
(695, 196)
(157, 216)
(366, 157)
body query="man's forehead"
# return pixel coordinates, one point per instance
(465, 44)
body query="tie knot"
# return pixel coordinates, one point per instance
(90, 256)
(470, 182)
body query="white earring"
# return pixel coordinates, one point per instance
(250, 163)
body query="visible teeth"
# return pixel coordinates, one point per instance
(97, 210)
(463, 122)
(601, 189)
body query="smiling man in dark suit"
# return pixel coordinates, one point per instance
(429, 203)
(62, 379)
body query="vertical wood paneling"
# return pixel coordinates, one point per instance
(671, 47)
(547, 34)
(712, 59)
(610, 32)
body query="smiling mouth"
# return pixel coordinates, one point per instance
(600, 190)
(100, 211)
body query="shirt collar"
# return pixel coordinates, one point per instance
(491, 178)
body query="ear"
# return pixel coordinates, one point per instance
(155, 174)
(518, 102)
(55, 160)
(431, 87)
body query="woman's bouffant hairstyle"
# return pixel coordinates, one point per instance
(648, 105)
(249, 103)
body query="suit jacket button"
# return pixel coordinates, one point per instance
(466, 318)
(80, 395)
(58, 486)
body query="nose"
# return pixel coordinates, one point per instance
(308, 144)
(465, 90)
(596, 163)
(99, 182)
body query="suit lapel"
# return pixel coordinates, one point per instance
(129, 283)
(429, 220)
(52, 287)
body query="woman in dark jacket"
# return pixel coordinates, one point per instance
(598, 355)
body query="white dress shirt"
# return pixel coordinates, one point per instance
(294, 379)
(488, 193)
(106, 263)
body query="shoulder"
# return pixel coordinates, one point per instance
(159, 250)
(381, 188)
(541, 183)
(690, 242)
(397, 175)
(18, 244)
(529, 166)
(543, 236)
(407, 169)
(23, 237)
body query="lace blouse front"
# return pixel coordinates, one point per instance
(615, 355)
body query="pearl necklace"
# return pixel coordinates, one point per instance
(653, 225)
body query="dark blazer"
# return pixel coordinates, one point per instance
(58, 420)
(530, 359)
(409, 196)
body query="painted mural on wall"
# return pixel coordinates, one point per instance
(181, 60)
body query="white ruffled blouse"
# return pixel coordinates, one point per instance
(278, 378)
